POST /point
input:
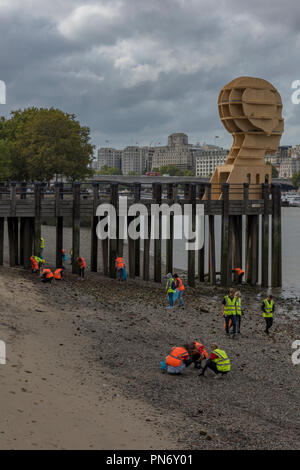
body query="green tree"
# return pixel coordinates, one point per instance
(5, 157)
(173, 170)
(275, 172)
(296, 179)
(131, 173)
(46, 142)
(107, 170)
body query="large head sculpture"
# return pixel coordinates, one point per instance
(251, 110)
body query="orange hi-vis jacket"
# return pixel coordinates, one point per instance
(48, 272)
(120, 263)
(81, 263)
(201, 349)
(179, 284)
(34, 264)
(238, 271)
(177, 355)
(57, 273)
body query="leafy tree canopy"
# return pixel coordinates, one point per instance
(38, 144)
(107, 170)
(173, 170)
(296, 179)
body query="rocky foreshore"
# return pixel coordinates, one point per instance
(127, 331)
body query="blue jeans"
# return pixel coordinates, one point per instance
(120, 274)
(170, 298)
(233, 318)
(179, 296)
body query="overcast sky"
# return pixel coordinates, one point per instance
(139, 70)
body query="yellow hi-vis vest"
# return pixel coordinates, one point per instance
(42, 245)
(223, 361)
(169, 284)
(239, 306)
(268, 308)
(229, 307)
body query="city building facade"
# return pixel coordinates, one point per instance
(177, 152)
(208, 159)
(109, 157)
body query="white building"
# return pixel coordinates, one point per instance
(288, 167)
(134, 160)
(207, 160)
(177, 152)
(109, 157)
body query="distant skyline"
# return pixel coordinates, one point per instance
(139, 70)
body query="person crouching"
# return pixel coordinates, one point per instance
(218, 362)
(47, 275)
(179, 358)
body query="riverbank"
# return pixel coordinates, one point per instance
(83, 369)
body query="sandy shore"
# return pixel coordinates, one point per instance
(83, 369)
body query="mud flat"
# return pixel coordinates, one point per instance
(83, 369)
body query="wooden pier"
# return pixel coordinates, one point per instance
(26, 205)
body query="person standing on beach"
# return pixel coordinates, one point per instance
(170, 290)
(42, 245)
(120, 266)
(229, 312)
(179, 288)
(218, 362)
(268, 308)
(82, 265)
(239, 310)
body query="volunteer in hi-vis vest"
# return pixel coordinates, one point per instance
(179, 288)
(268, 308)
(229, 311)
(218, 362)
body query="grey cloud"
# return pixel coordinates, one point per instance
(155, 68)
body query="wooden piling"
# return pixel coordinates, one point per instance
(212, 250)
(146, 254)
(59, 225)
(226, 242)
(265, 238)
(16, 239)
(1, 240)
(94, 223)
(201, 252)
(76, 226)
(157, 191)
(170, 228)
(191, 253)
(37, 220)
(137, 242)
(276, 237)
(28, 241)
(113, 241)
(10, 230)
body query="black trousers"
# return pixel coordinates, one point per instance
(210, 365)
(269, 323)
(81, 272)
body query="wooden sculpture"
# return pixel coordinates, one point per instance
(251, 110)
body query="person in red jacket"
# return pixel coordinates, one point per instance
(199, 353)
(82, 265)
